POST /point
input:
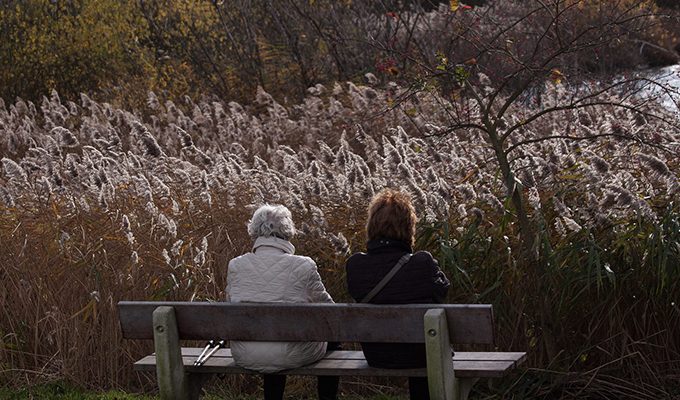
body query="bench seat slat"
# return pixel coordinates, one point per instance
(352, 363)
(517, 357)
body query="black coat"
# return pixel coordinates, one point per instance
(419, 281)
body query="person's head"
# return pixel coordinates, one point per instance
(392, 216)
(271, 220)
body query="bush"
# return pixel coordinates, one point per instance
(72, 47)
(227, 49)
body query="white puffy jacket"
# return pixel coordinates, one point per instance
(272, 273)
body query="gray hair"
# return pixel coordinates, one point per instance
(272, 220)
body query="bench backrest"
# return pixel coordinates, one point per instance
(467, 323)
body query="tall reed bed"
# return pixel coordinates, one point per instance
(99, 204)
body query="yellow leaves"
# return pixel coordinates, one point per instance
(572, 177)
(71, 50)
(411, 112)
(556, 76)
(322, 47)
(454, 5)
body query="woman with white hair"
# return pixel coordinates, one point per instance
(273, 273)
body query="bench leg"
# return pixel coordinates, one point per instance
(172, 381)
(440, 376)
(195, 382)
(465, 386)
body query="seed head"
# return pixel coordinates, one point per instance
(14, 171)
(599, 164)
(151, 147)
(659, 167)
(6, 197)
(571, 224)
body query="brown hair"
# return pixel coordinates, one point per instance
(392, 216)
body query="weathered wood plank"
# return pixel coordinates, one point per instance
(440, 374)
(517, 357)
(468, 324)
(172, 384)
(346, 367)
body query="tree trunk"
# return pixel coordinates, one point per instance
(530, 248)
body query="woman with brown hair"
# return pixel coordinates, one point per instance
(415, 278)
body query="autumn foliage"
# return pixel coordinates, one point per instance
(119, 51)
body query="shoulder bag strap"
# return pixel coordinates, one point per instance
(403, 260)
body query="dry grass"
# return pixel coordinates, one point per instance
(122, 206)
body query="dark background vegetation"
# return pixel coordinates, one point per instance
(117, 51)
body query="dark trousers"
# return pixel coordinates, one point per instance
(417, 388)
(274, 385)
(326, 386)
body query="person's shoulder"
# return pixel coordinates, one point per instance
(236, 261)
(302, 261)
(423, 256)
(356, 257)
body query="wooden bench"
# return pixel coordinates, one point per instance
(439, 326)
